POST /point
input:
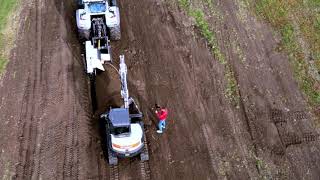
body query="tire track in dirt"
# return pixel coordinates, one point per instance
(30, 127)
(45, 102)
(71, 152)
(70, 164)
(145, 165)
(281, 120)
(212, 153)
(290, 140)
(69, 149)
(49, 142)
(114, 172)
(145, 170)
(265, 82)
(103, 169)
(24, 138)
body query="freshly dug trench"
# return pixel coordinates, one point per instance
(107, 88)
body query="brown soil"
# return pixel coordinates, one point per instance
(49, 130)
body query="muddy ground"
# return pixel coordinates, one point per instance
(49, 130)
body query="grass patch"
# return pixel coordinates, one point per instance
(274, 11)
(204, 28)
(209, 35)
(185, 4)
(209, 3)
(279, 13)
(7, 6)
(3, 63)
(314, 3)
(231, 92)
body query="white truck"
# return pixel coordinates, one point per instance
(124, 126)
(98, 21)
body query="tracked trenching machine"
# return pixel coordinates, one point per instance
(98, 21)
(124, 126)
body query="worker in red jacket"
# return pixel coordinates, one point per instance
(162, 114)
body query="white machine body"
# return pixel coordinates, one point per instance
(95, 58)
(94, 8)
(124, 85)
(132, 142)
(128, 144)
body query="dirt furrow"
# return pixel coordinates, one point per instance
(212, 152)
(114, 172)
(29, 136)
(145, 170)
(52, 108)
(69, 150)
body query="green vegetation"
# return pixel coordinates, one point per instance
(289, 17)
(275, 11)
(232, 91)
(6, 8)
(209, 35)
(185, 4)
(3, 63)
(264, 170)
(201, 23)
(204, 28)
(209, 3)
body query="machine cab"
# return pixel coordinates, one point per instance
(120, 122)
(97, 7)
(125, 133)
